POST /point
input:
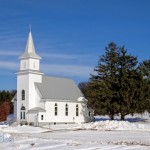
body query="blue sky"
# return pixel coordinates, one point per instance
(70, 35)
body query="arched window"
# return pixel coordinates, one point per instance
(23, 108)
(23, 94)
(89, 113)
(77, 110)
(56, 109)
(66, 109)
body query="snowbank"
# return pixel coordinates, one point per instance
(105, 125)
(22, 129)
(114, 125)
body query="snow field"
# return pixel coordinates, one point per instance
(105, 135)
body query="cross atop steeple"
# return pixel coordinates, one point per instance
(30, 50)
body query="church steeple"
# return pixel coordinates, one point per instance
(28, 74)
(30, 60)
(30, 50)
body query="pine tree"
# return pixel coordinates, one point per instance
(7, 95)
(144, 68)
(104, 82)
(130, 83)
(117, 85)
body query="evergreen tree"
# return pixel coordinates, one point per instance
(144, 68)
(6, 95)
(104, 82)
(84, 86)
(129, 83)
(117, 85)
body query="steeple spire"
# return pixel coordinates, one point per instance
(30, 50)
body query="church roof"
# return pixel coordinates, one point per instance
(58, 89)
(14, 98)
(30, 50)
(35, 110)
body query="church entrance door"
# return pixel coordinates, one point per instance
(23, 113)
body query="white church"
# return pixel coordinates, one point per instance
(44, 99)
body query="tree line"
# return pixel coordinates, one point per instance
(6, 95)
(120, 85)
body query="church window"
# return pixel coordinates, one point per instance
(89, 113)
(42, 117)
(20, 115)
(66, 109)
(23, 108)
(23, 94)
(56, 109)
(23, 115)
(77, 110)
(24, 65)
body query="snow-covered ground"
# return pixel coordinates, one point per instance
(103, 134)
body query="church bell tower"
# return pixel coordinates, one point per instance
(28, 74)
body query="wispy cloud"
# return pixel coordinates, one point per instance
(9, 65)
(64, 70)
(50, 55)
(80, 57)
(59, 56)
(9, 53)
(67, 70)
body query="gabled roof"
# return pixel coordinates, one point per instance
(14, 98)
(58, 89)
(30, 50)
(35, 110)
